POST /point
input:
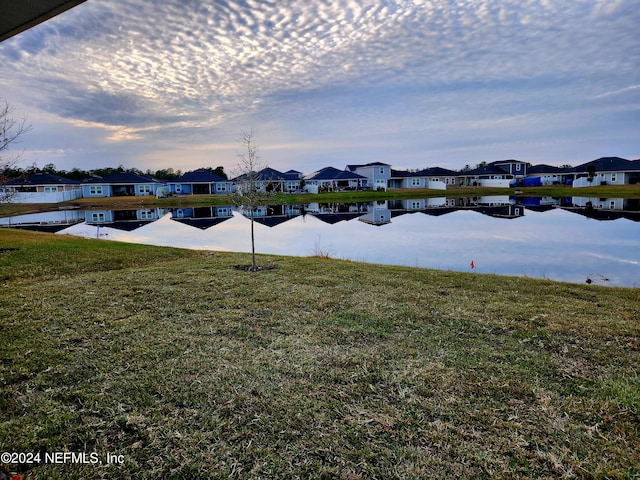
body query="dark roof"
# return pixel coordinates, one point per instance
(435, 172)
(18, 16)
(125, 177)
(42, 179)
(265, 175)
(484, 170)
(372, 164)
(542, 168)
(331, 173)
(199, 176)
(607, 164)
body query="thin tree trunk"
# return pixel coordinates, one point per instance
(253, 244)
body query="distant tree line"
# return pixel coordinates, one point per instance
(83, 175)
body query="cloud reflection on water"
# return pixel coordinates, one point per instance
(555, 244)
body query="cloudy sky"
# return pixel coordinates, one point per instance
(413, 83)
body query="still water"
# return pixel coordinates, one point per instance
(571, 240)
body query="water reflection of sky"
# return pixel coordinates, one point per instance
(556, 244)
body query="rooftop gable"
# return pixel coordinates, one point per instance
(332, 173)
(606, 164)
(125, 177)
(200, 176)
(42, 179)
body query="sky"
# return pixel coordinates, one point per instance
(411, 83)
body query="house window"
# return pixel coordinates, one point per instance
(144, 189)
(146, 215)
(415, 182)
(221, 187)
(50, 189)
(97, 217)
(612, 205)
(613, 177)
(518, 167)
(95, 190)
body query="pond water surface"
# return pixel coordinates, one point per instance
(572, 240)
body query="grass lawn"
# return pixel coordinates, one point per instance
(187, 367)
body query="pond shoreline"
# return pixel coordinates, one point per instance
(115, 203)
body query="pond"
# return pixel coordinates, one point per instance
(570, 239)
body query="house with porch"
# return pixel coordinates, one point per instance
(547, 175)
(332, 179)
(421, 179)
(607, 171)
(486, 176)
(40, 188)
(269, 180)
(199, 182)
(123, 184)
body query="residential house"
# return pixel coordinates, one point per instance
(517, 168)
(40, 188)
(547, 175)
(332, 179)
(427, 178)
(270, 180)
(486, 176)
(199, 182)
(607, 171)
(377, 174)
(124, 184)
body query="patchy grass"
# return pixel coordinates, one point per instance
(190, 368)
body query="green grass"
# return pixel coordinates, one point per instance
(190, 368)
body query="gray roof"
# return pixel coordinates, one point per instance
(42, 179)
(124, 177)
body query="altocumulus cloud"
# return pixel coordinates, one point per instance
(143, 70)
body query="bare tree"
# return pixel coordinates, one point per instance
(11, 130)
(249, 193)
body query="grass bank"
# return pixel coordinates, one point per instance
(186, 367)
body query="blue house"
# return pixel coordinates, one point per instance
(200, 182)
(123, 184)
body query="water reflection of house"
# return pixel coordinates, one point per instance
(127, 220)
(605, 208)
(202, 217)
(272, 215)
(379, 214)
(45, 221)
(332, 213)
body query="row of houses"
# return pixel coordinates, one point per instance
(49, 188)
